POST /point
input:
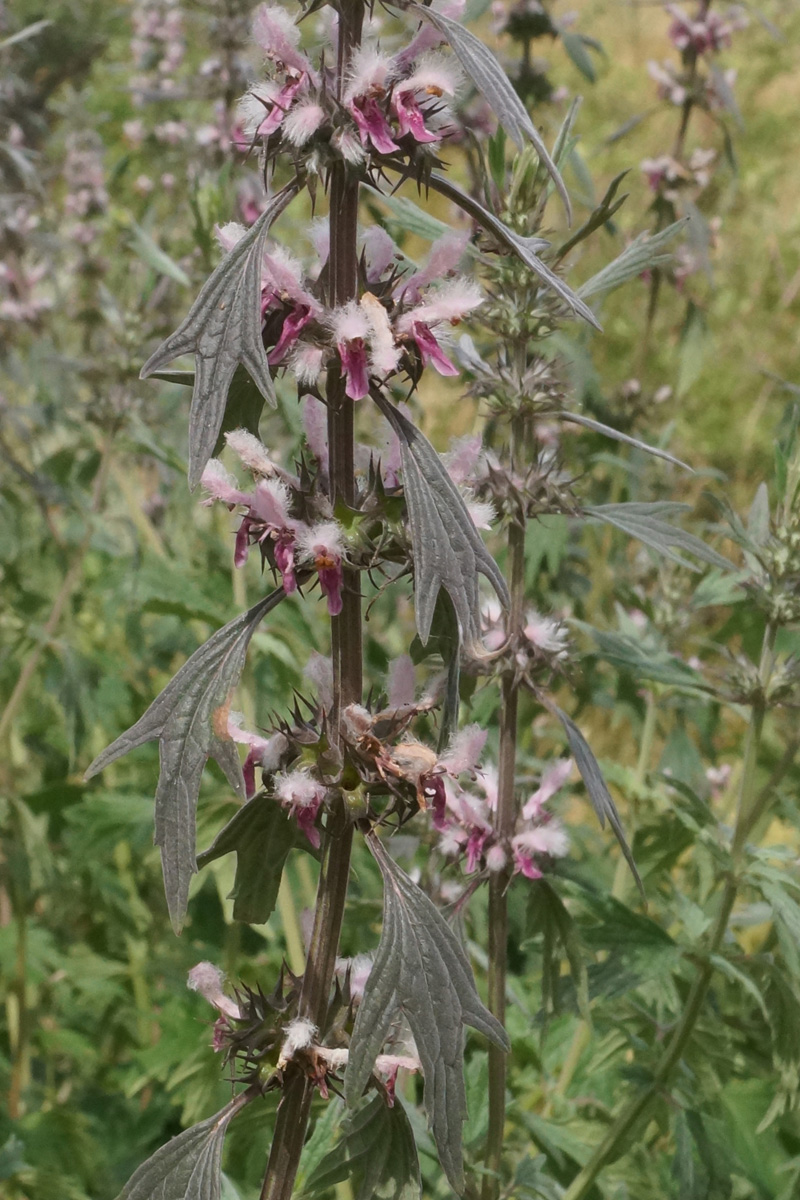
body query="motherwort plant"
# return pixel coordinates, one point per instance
(359, 331)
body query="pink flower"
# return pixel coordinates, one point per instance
(365, 94)
(448, 304)
(546, 634)
(351, 329)
(278, 36)
(552, 781)
(302, 796)
(303, 122)
(221, 485)
(323, 545)
(419, 97)
(444, 256)
(708, 33)
(315, 424)
(282, 291)
(207, 979)
(262, 752)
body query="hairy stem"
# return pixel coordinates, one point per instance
(295, 1106)
(750, 806)
(504, 821)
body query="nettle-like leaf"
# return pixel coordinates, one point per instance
(223, 330)
(596, 786)
(494, 85)
(421, 971)
(188, 1167)
(647, 522)
(243, 406)
(261, 834)
(188, 719)
(376, 1153)
(448, 550)
(525, 248)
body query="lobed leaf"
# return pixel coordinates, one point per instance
(376, 1153)
(223, 330)
(646, 521)
(422, 971)
(644, 253)
(448, 550)
(524, 247)
(187, 718)
(188, 1167)
(494, 85)
(261, 835)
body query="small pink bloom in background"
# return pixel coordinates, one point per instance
(323, 546)
(669, 87)
(302, 796)
(445, 255)
(275, 31)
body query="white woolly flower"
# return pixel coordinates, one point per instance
(327, 537)
(384, 355)
(549, 839)
(546, 634)
(251, 451)
(207, 979)
(229, 234)
(253, 107)
(302, 123)
(349, 323)
(496, 858)
(482, 512)
(465, 749)
(450, 302)
(221, 485)
(434, 74)
(300, 1034)
(306, 363)
(369, 71)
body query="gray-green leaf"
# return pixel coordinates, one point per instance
(494, 85)
(376, 1154)
(646, 521)
(610, 432)
(422, 971)
(182, 718)
(188, 1167)
(448, 550)
(261, 834)
(525, 248)
(596, 786)
(645, 252)
(222, 330)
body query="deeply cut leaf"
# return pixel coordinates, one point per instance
(596, 786)
(448, 550)
(188, 719)
(261, 834)
(376, 1154)
(525, 248)
(222, 330)
(422, 971)
(494, 85)
(188, 1167)
(646, 521)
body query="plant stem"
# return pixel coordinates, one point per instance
(750, 807)
(504, 822)
(346, 653)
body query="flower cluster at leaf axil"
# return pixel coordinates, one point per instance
(260, 1035)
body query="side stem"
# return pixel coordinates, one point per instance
(346, 653)
(505, 815)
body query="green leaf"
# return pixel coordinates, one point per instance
(691, 350)
(494, 85)
(188, 1167)
(448, 550)
(599, 427)
(643, 254)
(261, 835)
(182, 718)
(497, 158)
(546, 908)
(645, 661)
(152, 254)
(646, 521)
(596, 786)
(525, 248)
(376, 1154)
(601, 215)
(422, 971)
(223, 330)
(576, 45)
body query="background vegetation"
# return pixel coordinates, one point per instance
(115, 170)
